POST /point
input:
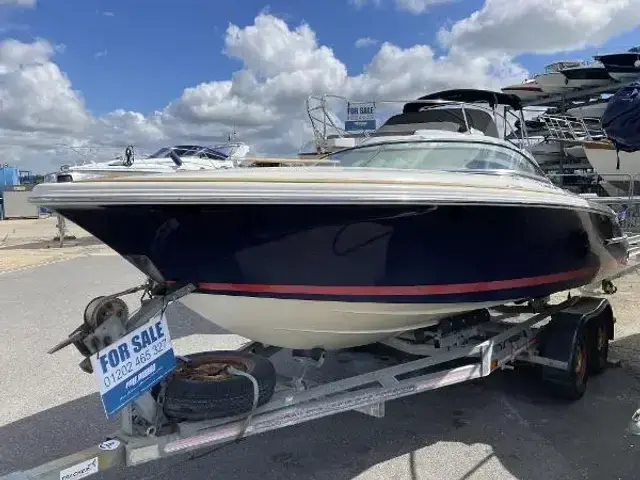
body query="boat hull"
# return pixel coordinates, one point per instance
(624, 75)
(525, 92)
(621, 66)
(553, 83)
(619, 169)
(333, 276)
(594, 110)
(308, 324)
(587, 77)
(92, 172)
(576, 151)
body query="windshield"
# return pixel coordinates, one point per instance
(190, 151)
(437, 155)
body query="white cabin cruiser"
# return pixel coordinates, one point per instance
(165, 160)
(530, 89)
(587, 75)
(567, 75)
(407, 230)
(552, 80)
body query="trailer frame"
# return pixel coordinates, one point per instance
(470, 348)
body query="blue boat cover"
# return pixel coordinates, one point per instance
(621, 118)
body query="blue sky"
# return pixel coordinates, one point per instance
(131, 58)
(180, 42)
(140, 54)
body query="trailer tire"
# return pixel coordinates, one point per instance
(571, 385)
(219, 396)
(598, 347)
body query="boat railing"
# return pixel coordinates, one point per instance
(571, 129)
(598, 187)
(88, 155)
(326, 124)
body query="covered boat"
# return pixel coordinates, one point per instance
(405, 231)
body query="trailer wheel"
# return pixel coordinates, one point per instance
(598, 347)
(571, 384)
(201, 388)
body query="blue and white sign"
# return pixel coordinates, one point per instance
(133, 364)
(360, 117)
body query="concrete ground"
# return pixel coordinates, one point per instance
(26, 243)
(503, 427)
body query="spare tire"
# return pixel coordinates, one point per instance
(201, 388)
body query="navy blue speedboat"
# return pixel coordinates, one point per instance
(407, 230)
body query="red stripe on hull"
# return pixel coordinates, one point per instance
(406, 290)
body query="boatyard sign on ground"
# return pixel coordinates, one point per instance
(361, 116)
(132, 365)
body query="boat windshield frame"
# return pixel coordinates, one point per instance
(557, 67)
(325, 123)
(538, 175)
(190, 151)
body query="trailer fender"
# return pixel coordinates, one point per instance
(559, 338)
(559, 335)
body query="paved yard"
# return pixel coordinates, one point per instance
(504, 427)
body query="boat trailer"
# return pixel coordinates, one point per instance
(566, 342)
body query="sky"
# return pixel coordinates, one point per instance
(85, 78)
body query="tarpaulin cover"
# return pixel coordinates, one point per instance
(9, 176)
(621, 118)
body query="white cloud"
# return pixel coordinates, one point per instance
(549, 26)
(41, 115)
(365, 42)
(282, 66)
(101, 53)
(19, 3)
(264, 101)
(397, 73)
(34, 94)
(108, 14)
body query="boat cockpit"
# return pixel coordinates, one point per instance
(190, 151)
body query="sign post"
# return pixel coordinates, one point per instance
(361, 117)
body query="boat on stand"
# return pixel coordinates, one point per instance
(403, 231)
(587, 75)
(530, 89)
(622, 66)
(165, 160)
(552, 80)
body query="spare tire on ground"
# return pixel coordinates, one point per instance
(201, 387)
